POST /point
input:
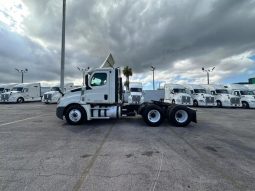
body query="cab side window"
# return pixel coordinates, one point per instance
(25, 90)
(98, 79)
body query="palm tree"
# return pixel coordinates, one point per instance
(127, 72)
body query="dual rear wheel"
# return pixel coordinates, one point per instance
(178, 115)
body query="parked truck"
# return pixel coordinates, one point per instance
(250, 87)
(6, 87)
(135, 93)
(23, 93)
(176, 94)
(222, 96)
(55, 93)
(246, 96)
(101, 98)
(199, 96)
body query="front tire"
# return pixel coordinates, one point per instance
(195, 103)
(153, 115)
(75, 115)
(20, 100)
(219, 104)
(245, 105)
(179, 115)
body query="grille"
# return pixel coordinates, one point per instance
(235, 100)
(136, 98)
(185, 99)
(47, 96)
(209, 99)
(5, 97)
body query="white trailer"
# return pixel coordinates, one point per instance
(55, 93)
(23, 93)
(135, 93)
(176, 94)
(222, 96)
(199, 95)
(6, 87)
(246, 96)
(101, 98)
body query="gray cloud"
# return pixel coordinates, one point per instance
(138, 33)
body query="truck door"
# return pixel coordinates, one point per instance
(99, 91)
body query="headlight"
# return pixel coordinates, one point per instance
(201, 101)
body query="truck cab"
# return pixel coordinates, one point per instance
(199, 95)
(222, 96)
(135, 93)
(23, 93)
(246, 96)
(55, 93)
(176, 94)
(6, 87)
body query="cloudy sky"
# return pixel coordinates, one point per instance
(178, 37)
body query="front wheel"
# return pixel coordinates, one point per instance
(179, 115)
(75, 115)
(245, 105)
(153, 115)
(219, 104)
(20, 100)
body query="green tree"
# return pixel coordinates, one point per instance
(127, 73)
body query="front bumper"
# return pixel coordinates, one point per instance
(60, 112)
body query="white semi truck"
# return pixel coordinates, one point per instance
(246, 96)
(6, 87)
(23, 93)
(176, 94)
(135, 93)
(55, 93)
(101, 98)
(222, 96)
(199, 96)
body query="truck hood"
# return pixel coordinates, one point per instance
(204, 94)
(227, 95)
(248, 96)
(182, 94)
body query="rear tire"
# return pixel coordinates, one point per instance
(179, 115)
(20, 100)
(75, 115)
(245, 105)
(153, 115)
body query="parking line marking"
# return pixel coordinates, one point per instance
(1, 125)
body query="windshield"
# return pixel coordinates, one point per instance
(55, 89)
(247, 93)
(199, 91)
(221, 91)
(136, 90)
(17, 89)
(179, 90)
(1, 89)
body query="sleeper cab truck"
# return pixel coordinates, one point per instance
(246, 96)
(176, 94)
(101, 98)
(24, 92)
(222, 96)
(54, 95)
(199, 96)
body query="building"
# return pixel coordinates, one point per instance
(252, 80)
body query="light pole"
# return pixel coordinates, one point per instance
(207, 72)
(83, 70)
(22, 73)
(152, 69)
(62, 73)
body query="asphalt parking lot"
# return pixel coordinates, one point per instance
(40, 152)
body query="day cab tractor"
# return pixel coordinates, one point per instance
(101, 98)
